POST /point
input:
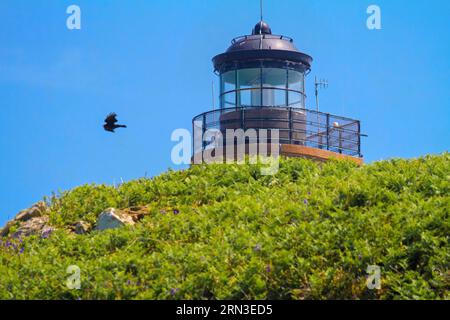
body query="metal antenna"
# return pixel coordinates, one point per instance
(319, 84)
(261, 24)
(261, 7)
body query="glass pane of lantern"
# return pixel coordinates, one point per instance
(280, 98)
(229, 100)
(245, 98)
(255, 98)
(296, 81)
(296, 100)
(274, 78)
(249, 83)
(229, 81)
(249, 78)
(274, 97)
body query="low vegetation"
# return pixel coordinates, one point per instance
(228, 232)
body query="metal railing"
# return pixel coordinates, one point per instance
(265, 36)
(296, 126)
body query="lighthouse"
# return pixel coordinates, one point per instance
(262, 87)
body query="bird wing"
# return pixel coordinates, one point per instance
(111, 119)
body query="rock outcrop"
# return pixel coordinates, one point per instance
(112, 219)
(37, 225)
(28, 222)
(82, 227)
(35, 221)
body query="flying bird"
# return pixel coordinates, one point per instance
(110, 123)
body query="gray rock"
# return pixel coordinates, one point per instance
(33, 226)
(47, 231)
(28, 222)
(112, 219)
(82, 227)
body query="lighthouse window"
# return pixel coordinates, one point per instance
(229, 81)
(274, 78)
(245, 98)
(249, 78)
(274, 83)
(296, 81)
(228, 87)
(249, 87)
(296, 100)
(279, 98)
(266, 86)
(229, 100)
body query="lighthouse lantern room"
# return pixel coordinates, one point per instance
(262, 86)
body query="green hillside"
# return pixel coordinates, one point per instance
(228, 232)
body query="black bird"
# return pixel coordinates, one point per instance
(110, 123)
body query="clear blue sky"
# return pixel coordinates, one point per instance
(150, 61)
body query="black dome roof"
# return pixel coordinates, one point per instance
(262, 28)
(261, 45)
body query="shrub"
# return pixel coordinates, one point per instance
(227, 232)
